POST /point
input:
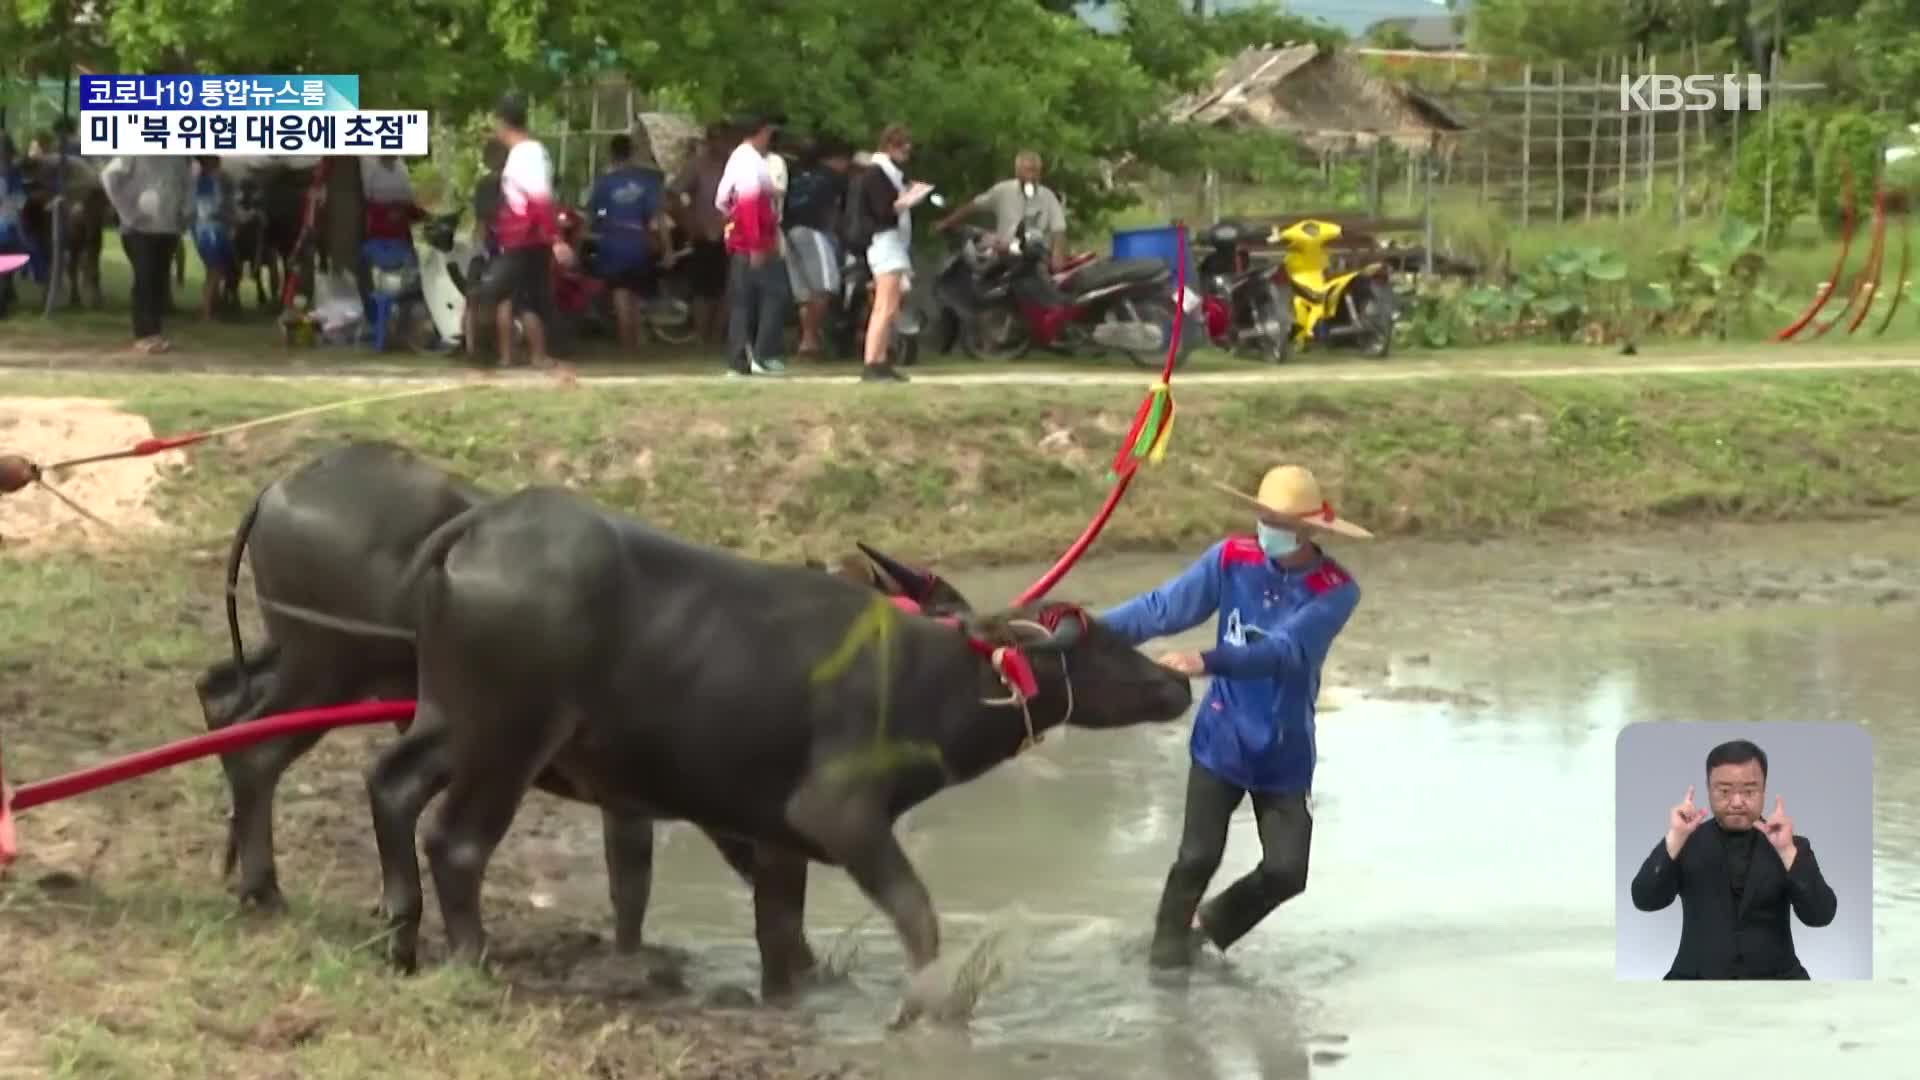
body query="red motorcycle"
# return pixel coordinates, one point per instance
(1089, 306)
(1245, 299)
(584, 304)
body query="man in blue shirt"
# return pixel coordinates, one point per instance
(1280, 601)
(624, 210)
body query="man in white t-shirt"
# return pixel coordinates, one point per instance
(520, 278)
(757, 290)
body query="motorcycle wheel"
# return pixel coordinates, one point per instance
(1376, 315)
(1272, 312)
(996, 333)
(1160, 313)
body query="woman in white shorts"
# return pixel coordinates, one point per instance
(888, 201)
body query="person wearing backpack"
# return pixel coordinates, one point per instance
(881, 213)
(816, 194)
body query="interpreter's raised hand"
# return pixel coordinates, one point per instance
(1186, 663)
(1681, 821)
(1778, 829)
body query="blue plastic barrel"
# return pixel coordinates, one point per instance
(1161, 243)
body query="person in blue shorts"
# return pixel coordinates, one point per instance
(13, 204)
(632, 242)
(1278, 602)
(213, 215)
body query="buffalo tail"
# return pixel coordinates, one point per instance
(234, 556)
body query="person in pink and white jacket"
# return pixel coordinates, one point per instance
(757, 288)
(520, 279)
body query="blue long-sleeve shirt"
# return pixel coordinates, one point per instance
(1255, 727)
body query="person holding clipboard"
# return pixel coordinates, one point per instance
(882, 211)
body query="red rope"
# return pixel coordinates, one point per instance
(1129, 466)
(1839, 265)
(213, 742)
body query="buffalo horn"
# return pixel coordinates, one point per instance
(914, 584)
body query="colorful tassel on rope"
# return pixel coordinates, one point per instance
(1147, 439)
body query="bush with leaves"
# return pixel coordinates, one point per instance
(1850, 147)
(1712, 286)
(1789, 148)
(1561, 295)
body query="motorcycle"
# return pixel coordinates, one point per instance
(447, 267)
(1357, 306)
(1123, 305)
(1243, 298)
(584, 304)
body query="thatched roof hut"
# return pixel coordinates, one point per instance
(1324, 97)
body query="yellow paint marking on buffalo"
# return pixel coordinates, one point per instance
(873, 630)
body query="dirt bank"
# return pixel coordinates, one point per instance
(47, 430)
(981, 473)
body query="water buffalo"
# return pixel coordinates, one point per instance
(790, 709)
(327, 544)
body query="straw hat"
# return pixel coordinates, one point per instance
(1291, 498)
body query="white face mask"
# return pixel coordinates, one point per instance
(1278, 543)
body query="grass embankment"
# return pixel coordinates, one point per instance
(134, 964)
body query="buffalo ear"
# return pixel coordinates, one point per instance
(913, 585)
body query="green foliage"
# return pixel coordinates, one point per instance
(1789, 147)
(1572, 30)
(1559, 296)
(1850, 147)
(1710, 287)
(1713, 286)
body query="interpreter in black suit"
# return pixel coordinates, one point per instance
(1736, 878)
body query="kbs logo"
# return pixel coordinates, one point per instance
(1693, 93)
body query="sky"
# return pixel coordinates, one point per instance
(1352, 16)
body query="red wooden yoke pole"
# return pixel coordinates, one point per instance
(213, 742)
(1150, 427)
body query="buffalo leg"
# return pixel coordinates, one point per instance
(779, 883)
(253, 775)
(629, 844)
(779, 921)
(496, 768)
(404, 778)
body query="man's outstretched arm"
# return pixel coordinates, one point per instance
(1180, 604)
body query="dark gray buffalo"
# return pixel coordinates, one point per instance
(792, 710)
(328, 544)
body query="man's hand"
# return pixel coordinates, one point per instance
(1681, 821)
(1186, 663)
(1778, 830)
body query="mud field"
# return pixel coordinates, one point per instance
(1476, 677)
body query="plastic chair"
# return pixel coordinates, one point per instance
(393, 257)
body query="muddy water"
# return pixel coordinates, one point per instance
(1459, 919)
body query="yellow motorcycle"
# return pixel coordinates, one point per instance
(1356, 307)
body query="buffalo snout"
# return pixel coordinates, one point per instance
(1116, 685)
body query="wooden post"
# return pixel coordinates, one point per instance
(1680, 171)
(1736, 117)
(1594, 103)
(1702, 114)
(1647, 127)
(1486, 157)
(1626, 136)
(1559, 142)
(1526, 146)
(1373, 177)
(593, 140)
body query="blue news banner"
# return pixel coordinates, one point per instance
(249, 115)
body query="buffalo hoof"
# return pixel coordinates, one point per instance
(403, 959)
(263, 899)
